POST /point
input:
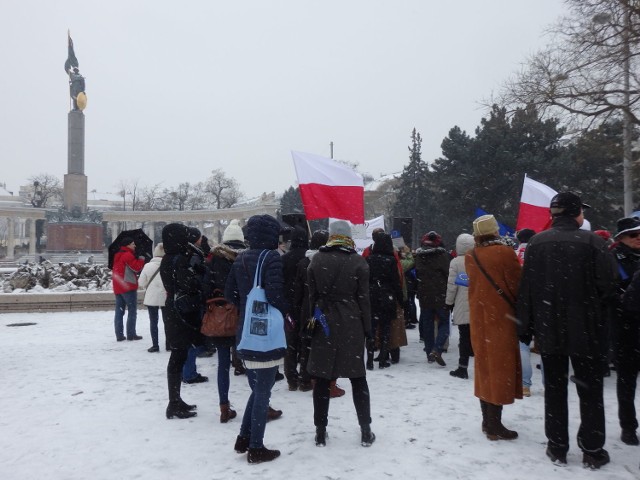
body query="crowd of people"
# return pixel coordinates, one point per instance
(571, 294)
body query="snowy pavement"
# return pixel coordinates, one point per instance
(78, 405)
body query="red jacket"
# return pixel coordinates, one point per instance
(124, 282)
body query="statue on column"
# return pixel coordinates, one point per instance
(76, 80)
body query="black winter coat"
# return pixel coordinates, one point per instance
(240, 283)
(625, 311)
(432, 274)
(181, 271)
(385, 289)
(339, 285)
(290, 261)
(567, 282)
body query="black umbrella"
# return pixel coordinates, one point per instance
(144, 245)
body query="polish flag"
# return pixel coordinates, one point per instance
(328, 188)
(534, 206)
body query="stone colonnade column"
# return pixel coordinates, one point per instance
(32, 237)
(11, 239)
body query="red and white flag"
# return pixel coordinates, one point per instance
(328, 188)
(534, 206)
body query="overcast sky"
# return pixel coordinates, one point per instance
(177, 89)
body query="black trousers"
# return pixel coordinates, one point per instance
(464, 345)
(174, 372)
(627, 373)
(292, 357)
(321, 399)
(588, 378)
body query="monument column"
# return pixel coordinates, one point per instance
(75, 181)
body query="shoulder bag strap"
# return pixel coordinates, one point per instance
(491, 281)
(153, 276)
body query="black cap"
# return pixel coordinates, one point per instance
(628, 224)
(125, 241)
(567, 204)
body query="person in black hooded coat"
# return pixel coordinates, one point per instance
(182, 328)
(385, 292)
(290, 260)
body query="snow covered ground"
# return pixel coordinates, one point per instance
(78, 405)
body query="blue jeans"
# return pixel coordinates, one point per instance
(254, 420)
(427, 318)
(525, 359)
(189, 371)
(224, 365)
(153, 323)
(128, 300)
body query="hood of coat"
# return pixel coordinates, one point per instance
(262, 232)
(464, 243)
(226, 251)
(431, 251)
(175, 238)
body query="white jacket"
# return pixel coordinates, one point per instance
(457, 295)
(155, 296)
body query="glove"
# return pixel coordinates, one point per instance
(449, 307)
(526, 339)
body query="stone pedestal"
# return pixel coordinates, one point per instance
(65, 237)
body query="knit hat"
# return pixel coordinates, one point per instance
(604, 234)
(485, 225)
(525, 235)
(233, 232)
(566, 204)
(431, 239)
(159, 250)
(318, 239)
(626, 225)
(340, 227)
(125, 241)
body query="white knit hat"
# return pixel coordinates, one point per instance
(340, 227)
(233, 232)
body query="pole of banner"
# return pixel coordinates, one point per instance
(331, 149)
(309, 229)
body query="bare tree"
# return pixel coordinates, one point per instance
(588, 75)
(224, 191)
(151, 198)
(49, 188)
(583, 72)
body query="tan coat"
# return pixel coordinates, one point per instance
(498, 371)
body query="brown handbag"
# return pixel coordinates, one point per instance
(220, 318)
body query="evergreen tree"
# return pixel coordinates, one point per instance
(413, 194)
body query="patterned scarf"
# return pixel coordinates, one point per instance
(341, 241)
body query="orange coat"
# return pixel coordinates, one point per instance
(498, 371)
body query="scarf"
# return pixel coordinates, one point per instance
(341, 241)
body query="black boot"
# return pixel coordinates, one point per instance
(321, 437)
(368, 437)
(459, 372)
(370, 359)
(383, 356)
(262, 454)
(483, 407)
(495, 429)
(175, 409)
(242, 444)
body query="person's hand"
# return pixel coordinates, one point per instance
(449, 307)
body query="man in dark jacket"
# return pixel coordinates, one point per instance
(297, 251)
(626, 328)
(568, 277)
(432, 273)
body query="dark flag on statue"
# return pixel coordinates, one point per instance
(72, 61)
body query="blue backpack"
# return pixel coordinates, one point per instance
(263, 325)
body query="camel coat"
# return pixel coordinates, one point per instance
(498, 371)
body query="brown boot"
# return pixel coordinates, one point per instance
(336, 391)
(226, 413)
(273, 414)
(495, 429)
